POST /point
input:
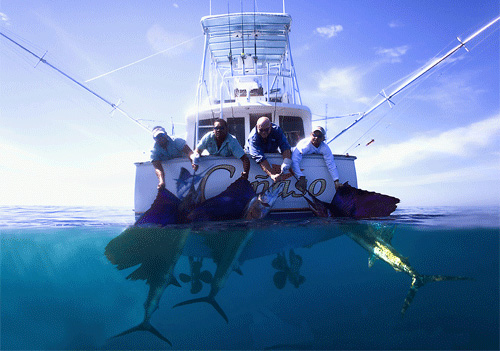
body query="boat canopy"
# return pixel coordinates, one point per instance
(262, 36)
(247, 58)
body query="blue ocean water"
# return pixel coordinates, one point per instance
(59, 291)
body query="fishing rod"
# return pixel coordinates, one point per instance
(416, 76)
(43, 60)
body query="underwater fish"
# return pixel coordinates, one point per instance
(230, 204)
(227, 250)
(157, 250)
(376, 239)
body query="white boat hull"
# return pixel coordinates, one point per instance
(219, 172)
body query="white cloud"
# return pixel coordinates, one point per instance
(395, 24)
(343, 82)
(171, 44)
(329, 31)
(452, 93)
(4, 18)
(457, 142)
(393, 54)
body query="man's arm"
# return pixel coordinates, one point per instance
(159, 173)
(266, 167)
(296, 158)
(189, 153)
(330, 164)
(246, 166)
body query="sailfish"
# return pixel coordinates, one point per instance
(157, 250)
(376, 239)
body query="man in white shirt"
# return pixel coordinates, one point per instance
(314, 145)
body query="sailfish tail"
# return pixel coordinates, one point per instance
(420, 280)
(207, 299)
(145, 326)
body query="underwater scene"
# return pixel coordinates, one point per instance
(85, 278)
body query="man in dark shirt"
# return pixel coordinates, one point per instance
(267, 137)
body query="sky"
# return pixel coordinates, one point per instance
(438, 145)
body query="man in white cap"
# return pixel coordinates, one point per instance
(166, 148)
(313, 145)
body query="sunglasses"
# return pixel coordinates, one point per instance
(219, 128)
(160, 137)
(264, 130)
(317, 135)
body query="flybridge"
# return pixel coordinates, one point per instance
(247, 57)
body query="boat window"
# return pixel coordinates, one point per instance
(236, 127)
(255, 116)
(293, 128)
(204, 126)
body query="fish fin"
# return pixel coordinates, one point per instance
(183, 177)
(420, 280)
(145, 326)
(140, 273)
(207, 299)
(371, 260)
(387, 232)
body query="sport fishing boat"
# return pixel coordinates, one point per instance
(247, 72)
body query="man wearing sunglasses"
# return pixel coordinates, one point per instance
(220, 143)
(314, 145)
(267, 137)
(166, 148)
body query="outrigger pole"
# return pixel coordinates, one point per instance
(417, 75)
(41, 59)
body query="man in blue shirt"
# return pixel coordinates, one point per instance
(220, 143)
(166, 148)
(267, 137)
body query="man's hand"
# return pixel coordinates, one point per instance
(301, 184)
(276, 177)
(286, 165)
(161, 185)
(195, 166)
(337, 185)
(244, 175)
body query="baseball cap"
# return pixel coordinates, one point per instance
(319, 129)
(157, 131)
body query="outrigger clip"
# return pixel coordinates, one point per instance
(384, 95)
(41, 59)
(115, 107)
(463, 44)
